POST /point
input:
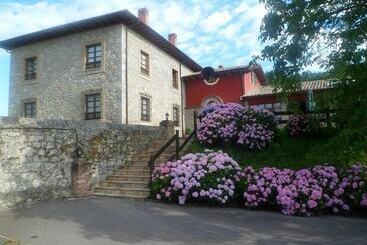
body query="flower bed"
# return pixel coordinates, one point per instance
(232, 123)
(214, 177)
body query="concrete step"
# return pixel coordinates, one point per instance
(126, 177)
(139, 192)
(125, 184)
(132, 172)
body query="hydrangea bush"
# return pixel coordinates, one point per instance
(302, 125)
(201, 177)
(322, 189)
(232, 123)
(215, 178)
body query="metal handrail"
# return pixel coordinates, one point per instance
(178, 148)
(160, 151)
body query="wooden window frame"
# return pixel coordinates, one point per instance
(144, 69)
(145, 114)
(96, 113)
(176, 116)
(32, 110)
(30, 69)
(97, 59)
(175, 79)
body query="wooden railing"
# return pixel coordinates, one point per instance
(324, 116)
(178, 148)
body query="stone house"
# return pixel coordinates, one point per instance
(113, 68)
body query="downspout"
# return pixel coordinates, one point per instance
(242, 86)
(126, 79)
(182, 102)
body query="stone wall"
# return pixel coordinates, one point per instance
(62, 80)
(36, 155)
(34, 164)
(157, 85)
(189, 118)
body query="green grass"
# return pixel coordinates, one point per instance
(329, 146)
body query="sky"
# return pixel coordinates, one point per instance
(213, 33)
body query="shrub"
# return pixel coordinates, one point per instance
(322, 189)
(202, 177)
(302, 125)
(232, 123)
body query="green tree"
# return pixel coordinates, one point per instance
(330, 33)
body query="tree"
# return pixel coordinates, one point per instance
(330, 33)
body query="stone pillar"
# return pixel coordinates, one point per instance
(80, 177)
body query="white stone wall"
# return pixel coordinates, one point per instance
(62, 80)
(158, 85)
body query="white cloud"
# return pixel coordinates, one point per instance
(215, 20)
(207, 35)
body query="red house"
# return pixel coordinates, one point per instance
(230, 85)
(241, 84)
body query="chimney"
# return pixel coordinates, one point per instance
(172, 38)
(143, 15)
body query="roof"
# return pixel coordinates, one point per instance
(119, 17)
(307, 85)
(233, 70)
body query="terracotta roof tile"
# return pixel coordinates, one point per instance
(308, 85)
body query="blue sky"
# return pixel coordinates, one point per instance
(211, 32)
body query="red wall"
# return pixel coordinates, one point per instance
(229, 88)
(248, 84)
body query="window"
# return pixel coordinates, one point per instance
(176, 116)
(174, 78)
(145, 109)
(30, 109)
(94, 56)
(93, 106)
(144, 63)
(31, 68)
(253, 77)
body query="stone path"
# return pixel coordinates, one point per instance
(112, 221)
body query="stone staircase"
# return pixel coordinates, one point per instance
(132, 179)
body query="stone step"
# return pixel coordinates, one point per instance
(152, 151)
(126, 177)
(125, 184)
(146, 157)
(137, 162)
(140, 192)
(118, 195)
(135, 167)
(132, 172)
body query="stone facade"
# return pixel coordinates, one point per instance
(158, 85)
(62, 81)
(36, 155)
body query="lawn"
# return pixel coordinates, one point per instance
(329, 146)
